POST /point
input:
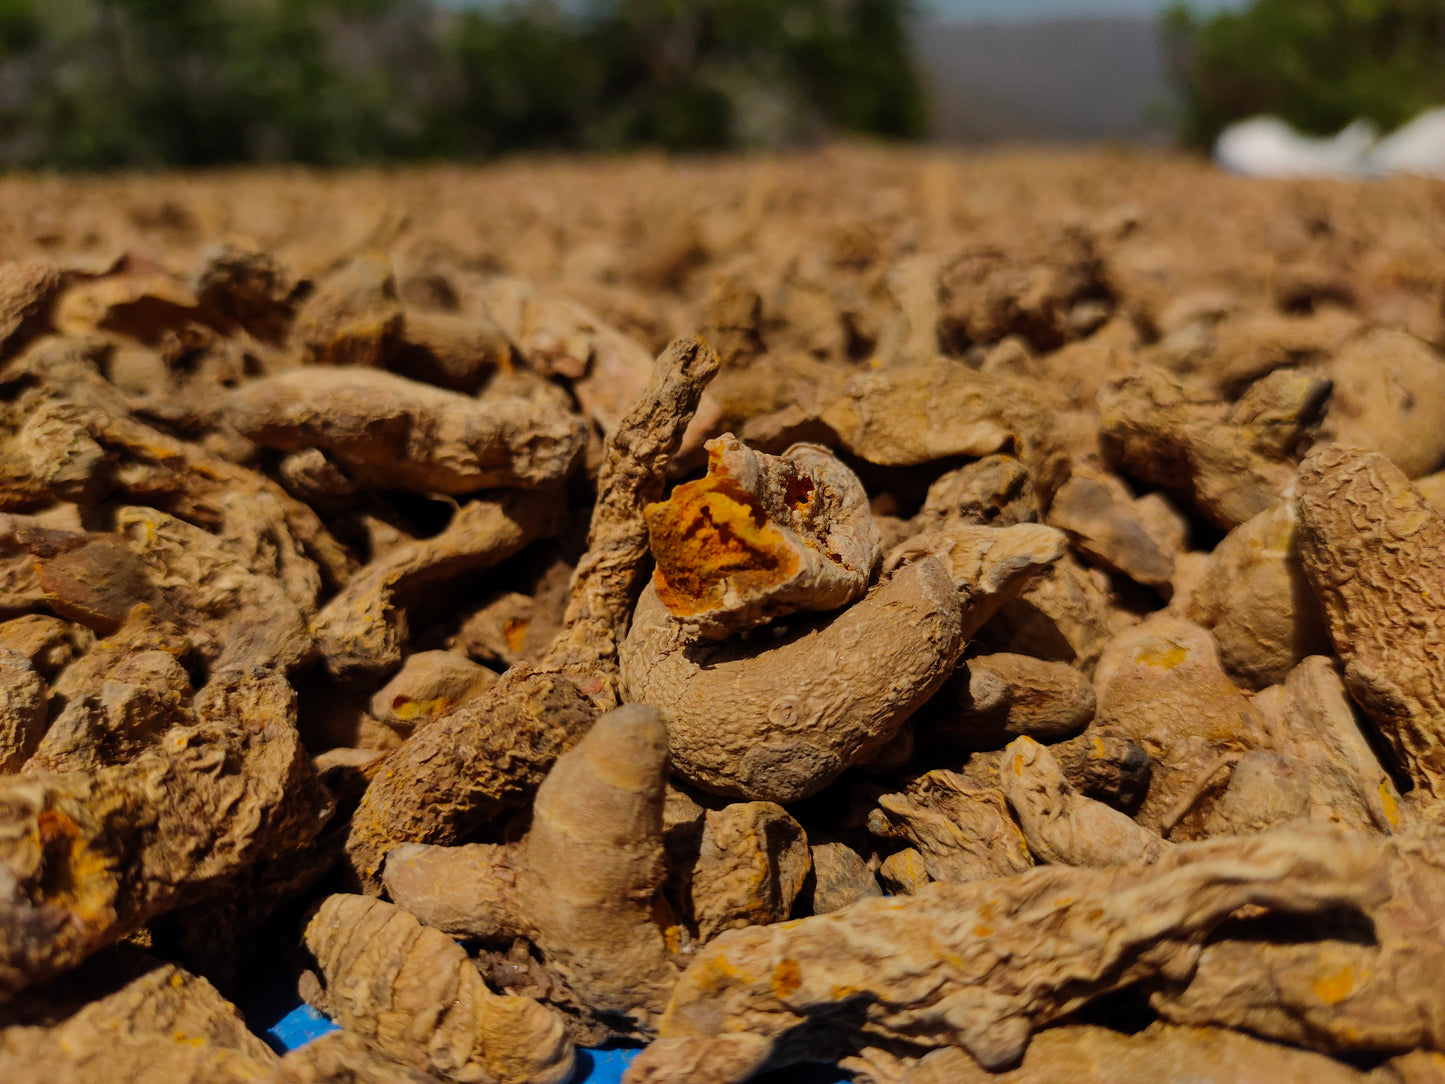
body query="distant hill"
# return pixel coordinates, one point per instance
(1056, 79)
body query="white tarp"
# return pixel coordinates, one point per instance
(1269, 147)
(1418, 147)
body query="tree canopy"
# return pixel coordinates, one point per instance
(106, 83)
(1319, 64)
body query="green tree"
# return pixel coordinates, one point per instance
(685, 74)
(107, 83)
(178, 83)
(1317, 63)
(713, 73)
(20, 26)
(525, 79)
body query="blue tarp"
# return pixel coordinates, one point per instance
(297, 1028)
(301, 1025)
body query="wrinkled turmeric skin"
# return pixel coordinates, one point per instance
(982, 965)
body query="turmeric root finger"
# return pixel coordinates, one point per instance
(1061, 615)
(141, 697)
(840, 877)
(1374, 552)
(989, 565)
(23, 722)
(1062, 825)
(582, 884)
(156, 469)
(234, 616)
(780, 720)
(413, 991)
(343, 1057)
(363, 630)
(467, 891)
(1105, 765)
(403, 434)
(1106, 523)
(1230, 463)
(1388, 398)
(960, 832)
(1331, 995)
(1337, 996)
(634, 472)
(1323, 733)
(1008, 696)
(925, 411)
(354, 316)
(1256, 601)
(27, 291)
(1083, 1054)
(558, 336)
(1160, 684)
(455, 774)
(595, 865)
(751, 865)
(982, 965)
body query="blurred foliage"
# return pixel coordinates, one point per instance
(94, 84)
(1319, 64)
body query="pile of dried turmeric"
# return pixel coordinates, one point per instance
(936, 617)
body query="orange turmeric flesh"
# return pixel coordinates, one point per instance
(707, 538)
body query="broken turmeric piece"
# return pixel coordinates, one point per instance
(762, 536)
